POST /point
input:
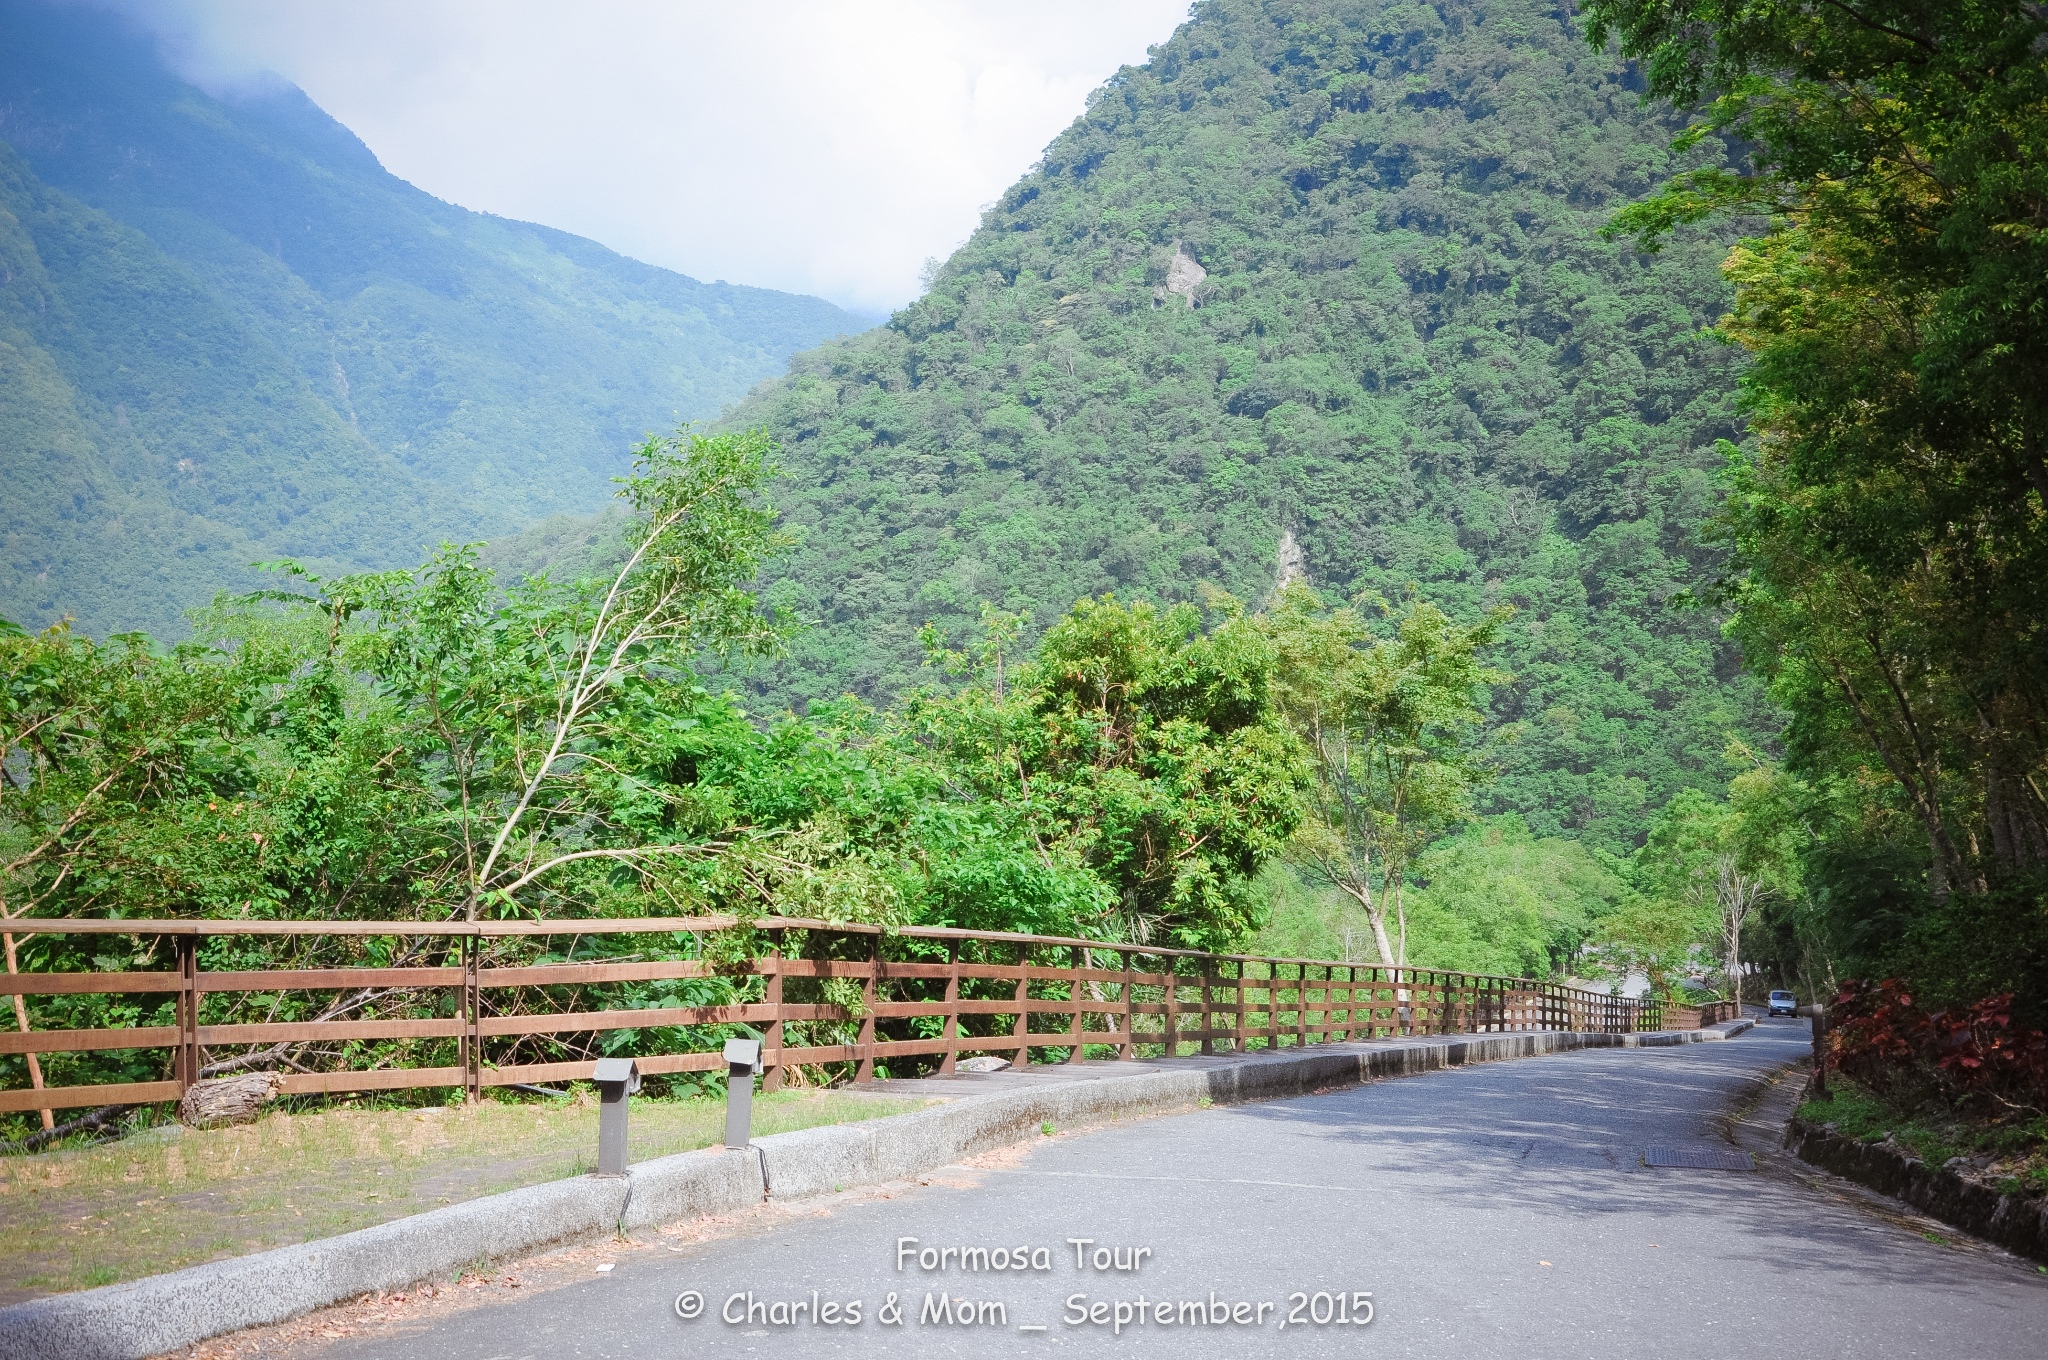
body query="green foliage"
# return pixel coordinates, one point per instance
(1496, 899)
(1411, 358)
(1705, 874)
(1388, 722)
(1137, 747)
(422, 745)
(227, 334)
(1492, 899)
(1890, 529)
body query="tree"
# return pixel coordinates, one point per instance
(1495, 899)
(1890, 528)
(518, 717)
(100, 746)
(1708, 866)
(1388, 720)
(1135, 746)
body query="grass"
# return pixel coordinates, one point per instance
(2009, 1153)
(173, 1197)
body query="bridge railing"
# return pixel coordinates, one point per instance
(386, 1005)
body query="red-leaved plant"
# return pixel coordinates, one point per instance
(1966, 1055)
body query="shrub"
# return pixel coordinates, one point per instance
(1963, 1055)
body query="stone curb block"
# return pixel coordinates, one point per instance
(161, 1313)
(2012, 1221)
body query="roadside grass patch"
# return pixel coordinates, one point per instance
(2009, 1153)
(172, 1197)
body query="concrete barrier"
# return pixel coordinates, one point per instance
(147, 1317)
(2014, 1222)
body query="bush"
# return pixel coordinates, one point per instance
(1964, 1055)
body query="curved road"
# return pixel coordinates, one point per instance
(1497, 1210)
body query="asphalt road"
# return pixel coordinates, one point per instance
(1498, 1210)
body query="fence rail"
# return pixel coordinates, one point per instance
(926, 997)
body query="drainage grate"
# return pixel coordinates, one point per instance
(1699, 1158)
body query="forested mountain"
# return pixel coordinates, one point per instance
(1320, 287)
(228, 334)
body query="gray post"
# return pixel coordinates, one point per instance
(616, 1078)
(1819, 1015)
(742, 1063)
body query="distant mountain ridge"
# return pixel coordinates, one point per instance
(227, 334)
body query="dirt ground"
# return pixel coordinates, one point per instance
(174, 1197)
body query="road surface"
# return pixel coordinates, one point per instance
(1496, 1210)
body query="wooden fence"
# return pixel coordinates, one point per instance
(1699, 1016)
(925, 997)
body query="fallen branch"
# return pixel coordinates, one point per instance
(85, 1123)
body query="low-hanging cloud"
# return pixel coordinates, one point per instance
(823, 146)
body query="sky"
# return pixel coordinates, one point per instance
(819, 146)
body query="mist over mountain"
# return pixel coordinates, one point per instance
(1319, 288)
(228, 334)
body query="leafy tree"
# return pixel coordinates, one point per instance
(97, 743)
(518, 720)
(1890, 528)
(1137, 746)
(1496, 899)
(1389, 721)
(1707, 868)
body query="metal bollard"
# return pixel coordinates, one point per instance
(616, 1078)
(742, 1065)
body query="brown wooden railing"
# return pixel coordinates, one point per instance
(1705, 1013)
(926, 997)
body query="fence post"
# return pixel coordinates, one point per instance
(1023, 1029)
(1240, 1027)
(1208, 1004)
(1078, 1025)
(1172, 962)
(472, 1020)
(187, 1065)
(950, 1026)
(870, 987)
(1128, 1050)
(35, 1066)
(771, 995)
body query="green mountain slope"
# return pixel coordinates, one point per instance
(1321, 284)
(153, 443)
(230, 334)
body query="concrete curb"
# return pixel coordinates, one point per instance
(2014, 1222)
(161, 1313)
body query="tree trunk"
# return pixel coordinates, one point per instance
(231, 1100)
(1375, 916)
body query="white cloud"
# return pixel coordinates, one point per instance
(823, 146)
